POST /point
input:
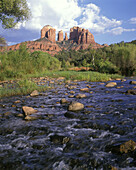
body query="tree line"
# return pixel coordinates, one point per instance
(117, 58)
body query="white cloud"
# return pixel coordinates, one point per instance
(120, 30)
(61, 14)
(96, 22)
(64, 14)
(133, 20)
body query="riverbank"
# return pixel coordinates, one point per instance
(45, 80)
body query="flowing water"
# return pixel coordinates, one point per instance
(61, 139)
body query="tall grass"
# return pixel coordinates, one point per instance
(22, 87)
(88, 76)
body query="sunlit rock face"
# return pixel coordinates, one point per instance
(48, 32)
(81, 36)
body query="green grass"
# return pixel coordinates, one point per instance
(88, 76)
(25, 86)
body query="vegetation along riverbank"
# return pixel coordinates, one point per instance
(103, 64)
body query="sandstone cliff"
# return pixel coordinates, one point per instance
(79, 39)
(48, 32)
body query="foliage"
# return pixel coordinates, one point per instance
(117, 58)
(17, 64)
(12, 12)
(22, 87)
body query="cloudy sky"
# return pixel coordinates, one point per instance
(110, 21)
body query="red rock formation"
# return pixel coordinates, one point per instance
(79, 39)
(48, 32)
(60, 36)
(81, 36)
(66, 37)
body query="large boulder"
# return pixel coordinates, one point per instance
(75, 106)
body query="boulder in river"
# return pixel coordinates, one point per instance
(126, 147)
(63, 101)
(34, 93)
(132, 82)
(85, 89)
(111, 84)
(28, 110)
(75, 106)
(131, 91)
(80, 96)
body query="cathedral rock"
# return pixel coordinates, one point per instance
(80, 38)
(48, 32)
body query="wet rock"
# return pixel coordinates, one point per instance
(132, 82)
(72, 87)
(34, 93)
(80, 96)
(28, 110)
(72, 92)
(75, 106)
(128, 146)
(71, 96)
(58, 139)
(85, 89)
(131, 91)
(17, 101)
(31, 118)
(63, 101)
(111, 84)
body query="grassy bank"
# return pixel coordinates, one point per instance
(25, 86)
(22, 87)
(86, 75)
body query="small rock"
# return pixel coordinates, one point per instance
(118, 79)
(128, 146)
(81, 96)
(28, 110)
(62, 101)
(75, 106)
(88, 86)
(132, 82)
(34, 93)
(71, 96)
(31, 118)
(131, 91)
(72, 92)
(111, 84)
(85, 89)
(123, 80)
(17, 101)
(72, 87)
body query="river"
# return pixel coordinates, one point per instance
(60, 139)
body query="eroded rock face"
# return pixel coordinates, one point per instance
(81, 36)
(66, 37)
(48, 32)
(60, 36)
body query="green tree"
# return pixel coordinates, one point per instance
(12, 12)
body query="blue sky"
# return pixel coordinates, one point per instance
(110, 21)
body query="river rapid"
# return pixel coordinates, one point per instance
(59, 139)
